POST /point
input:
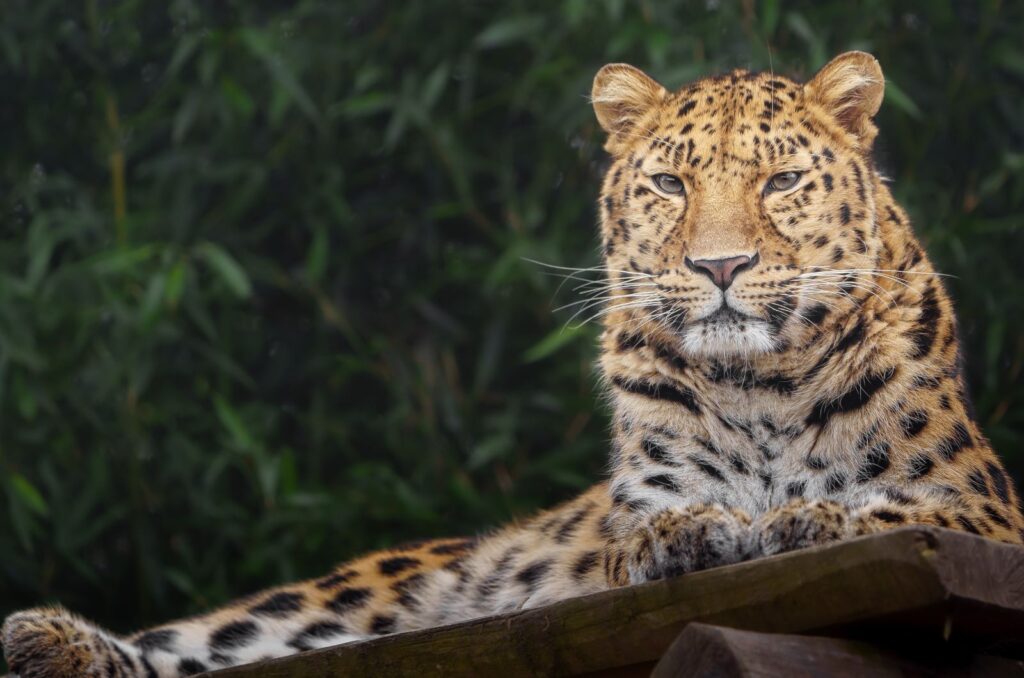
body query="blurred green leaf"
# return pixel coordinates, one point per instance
(508, 31)
(279, 70)
(233, 423)
(121, 260)
(222, 263)
(769, 16)
(28, 494)
(898, 98)
(316, 260)
(434, 85)
(555, 340)
(175, 284)
(799, 24)
(367, 104)
(239, 98)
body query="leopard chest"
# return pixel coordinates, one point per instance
(752, 452)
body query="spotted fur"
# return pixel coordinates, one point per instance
(806, 392)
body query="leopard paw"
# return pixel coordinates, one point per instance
(53, 643)
(679, 540)
(800, 524)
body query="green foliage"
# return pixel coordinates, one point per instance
(264, 297)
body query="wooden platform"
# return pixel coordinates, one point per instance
(917, 601)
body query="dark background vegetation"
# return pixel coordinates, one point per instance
(263, 297)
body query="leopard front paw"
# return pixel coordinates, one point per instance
(687, 539)
(800, 524)
(49, 643)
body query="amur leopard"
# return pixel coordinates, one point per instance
(782, 361)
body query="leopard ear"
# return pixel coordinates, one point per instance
(850, 87)
(621, 95)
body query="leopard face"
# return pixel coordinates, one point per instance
(738, 211)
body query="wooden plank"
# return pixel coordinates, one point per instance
(930, 578)
(704, 650)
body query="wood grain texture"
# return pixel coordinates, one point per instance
(704, 650)
(935, 582)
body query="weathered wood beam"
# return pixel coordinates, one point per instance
(938, 582)
(704, 650)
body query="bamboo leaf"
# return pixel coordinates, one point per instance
(225, 266)
(553, 342)
(28, 494)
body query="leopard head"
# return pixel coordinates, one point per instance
(737, 210)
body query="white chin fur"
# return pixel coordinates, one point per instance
(727, 339)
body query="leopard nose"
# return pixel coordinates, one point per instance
(722, 271)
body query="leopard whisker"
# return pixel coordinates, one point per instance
(590, 302)
(612, 309)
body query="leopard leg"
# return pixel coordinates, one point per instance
(678, 540)
(974, 513)
(799, 524)
(802, 522)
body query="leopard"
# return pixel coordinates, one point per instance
(782, 363)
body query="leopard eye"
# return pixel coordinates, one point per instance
(667, 183)
(783, 181)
